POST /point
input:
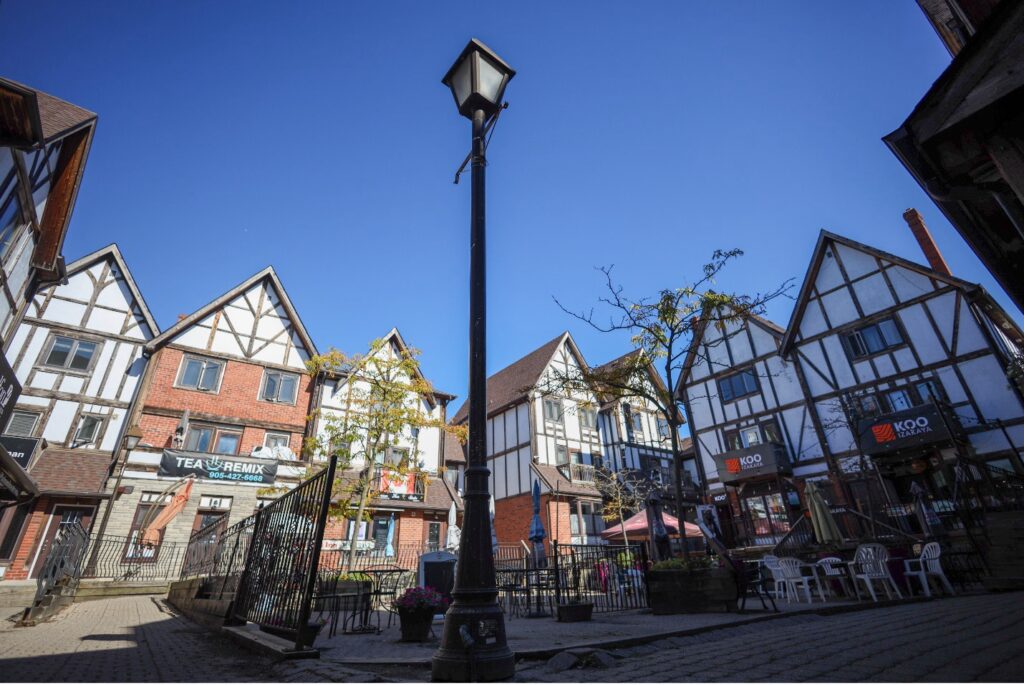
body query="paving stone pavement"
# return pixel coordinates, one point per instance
(960, 639)
(976, 638)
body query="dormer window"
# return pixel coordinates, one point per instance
(553, 410)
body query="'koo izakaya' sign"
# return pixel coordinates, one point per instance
(217, 467)
(908, 428)
(766, 459)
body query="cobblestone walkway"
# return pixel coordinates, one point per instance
(959, 639)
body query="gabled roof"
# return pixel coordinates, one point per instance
(770, 327)
(34, 117)
(454, 450)
(629, 357)
(824, 238)
(518, 378)
(267, 274)
(113, 252)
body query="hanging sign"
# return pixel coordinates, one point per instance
(10, 390)
(903, 429)
(751, 462)
(179, 464)
(21, 449)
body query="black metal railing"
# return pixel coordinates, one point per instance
(512, 558)
(406, 556)
(611, 577)
(283, 557)
(203, 549)
(217, 555)
(797, 541)
(65, 558)
(578, 473)
(127, 560)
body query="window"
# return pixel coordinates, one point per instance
(751, 436)
(69, 353)
(212, 439)
(576, 457)
(874, 338)
(279, 387)
(770, 430)
(899, 399)
(561, 454)
(200, 374)
(737, 385)
(930, 391)
(732, 441)
(210, 509)
(134, 550)
(397, 456)
(10, 205)
(636, 420)
(869, 405)
(88, 430)
(272, 440)
(433, 535)
(23, 423)
(553, 410)
(588, 418)
(664, 431)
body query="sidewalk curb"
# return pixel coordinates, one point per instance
(633, 641)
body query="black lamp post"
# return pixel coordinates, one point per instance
(473, 645)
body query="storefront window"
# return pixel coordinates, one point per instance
(768, 518)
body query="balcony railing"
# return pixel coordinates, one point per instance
(410, 486)
(577, 473)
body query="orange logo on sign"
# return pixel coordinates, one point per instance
(732, 465)
(884, 432)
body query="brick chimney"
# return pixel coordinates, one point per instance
(925, 240)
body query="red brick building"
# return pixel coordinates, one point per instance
(225, 399)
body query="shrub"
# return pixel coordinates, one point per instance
(694, 563)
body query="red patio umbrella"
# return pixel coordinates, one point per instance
(636, 527)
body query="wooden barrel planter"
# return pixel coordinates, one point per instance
(679, 591)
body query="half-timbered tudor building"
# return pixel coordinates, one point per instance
(419, 499)
(44, 144)
(224, 400)
(905, 368)
(79, 357)
(535, 432)
(752, 427)
(636, 436)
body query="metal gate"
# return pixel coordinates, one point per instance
(63, 563)
(609, 576)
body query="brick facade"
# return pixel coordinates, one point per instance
(512, 517)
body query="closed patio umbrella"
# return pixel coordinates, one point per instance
(389, 549)
(494, 536)
(452, 542)
(825, 529)
(537, 532)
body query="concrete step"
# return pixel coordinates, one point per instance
(94, 589)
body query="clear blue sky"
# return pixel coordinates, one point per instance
(317, 137)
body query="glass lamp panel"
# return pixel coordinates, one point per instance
(462, 81)
(489, 78)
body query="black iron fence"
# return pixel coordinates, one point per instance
(64, 559)
(217, 554)
(277, 584)
(127, 560)
(204, 549)
(405, 556)
(611, 577)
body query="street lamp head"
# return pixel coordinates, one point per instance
(132, 437)
(478, 79)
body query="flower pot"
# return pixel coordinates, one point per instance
(678, 591)
(415, 623)
(575, 612)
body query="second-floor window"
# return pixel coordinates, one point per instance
(213, 439)
(737, 385)
(276, 440)
(198, 373)
(637, 420)
(88, 430)
(871, 339)
(279, 387)
(23, 423)
(561, 454)
(69, 353)
(588, 418)
(664, 431)
(553, 410)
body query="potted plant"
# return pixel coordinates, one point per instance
(416, 609)
(575, 609)
(681, 586)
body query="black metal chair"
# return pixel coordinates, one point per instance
(750, 578)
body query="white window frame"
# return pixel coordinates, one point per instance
(97, 434)
(269, 434)
(185, 359)
(557, 403)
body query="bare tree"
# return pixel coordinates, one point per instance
(624, 493)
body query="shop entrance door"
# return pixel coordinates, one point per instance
(61, 514)
(767, 517)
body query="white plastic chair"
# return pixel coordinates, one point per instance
(771, 562)
(792, 571)
(870, 564)
(928, 564)
(834, 568)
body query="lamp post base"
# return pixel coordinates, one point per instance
(473, 645)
